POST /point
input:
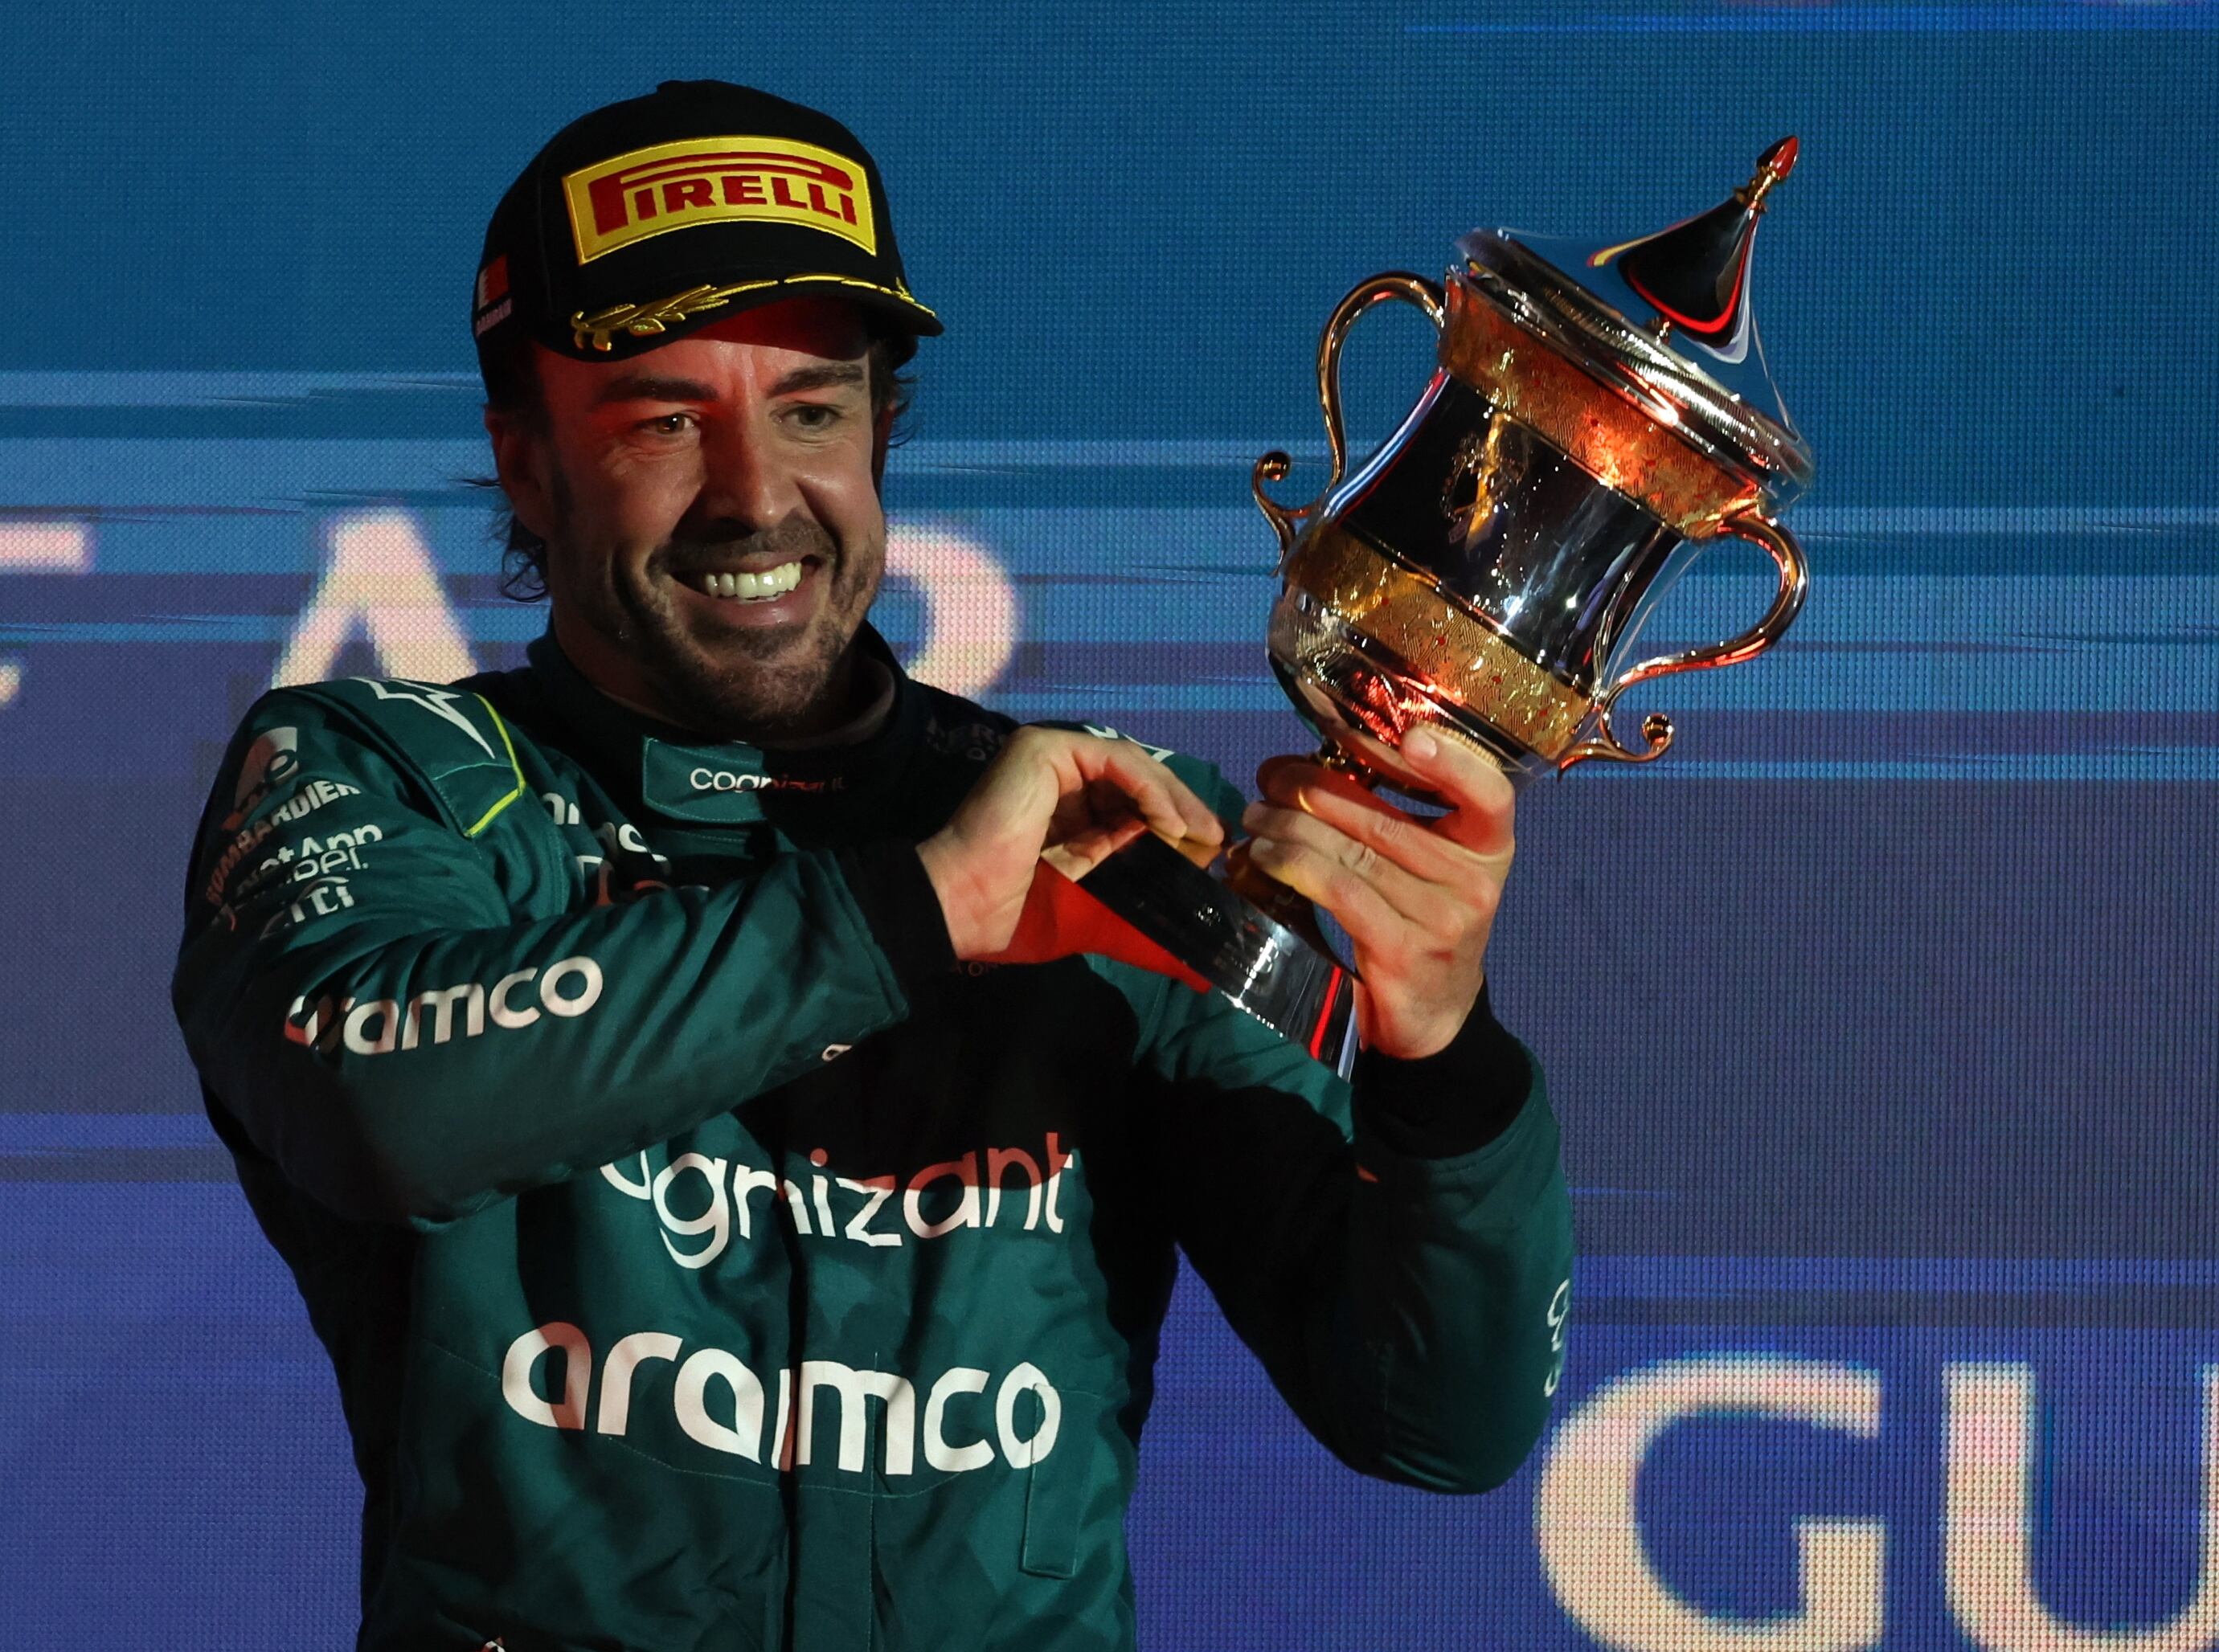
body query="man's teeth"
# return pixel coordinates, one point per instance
(753, 587)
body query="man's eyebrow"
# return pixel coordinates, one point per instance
(826, 378)
(638, 387)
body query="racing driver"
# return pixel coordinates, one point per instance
(736, 1176)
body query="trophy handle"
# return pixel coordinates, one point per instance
(1656, 729)
(1273, 466)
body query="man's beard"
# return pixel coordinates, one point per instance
(758, 686)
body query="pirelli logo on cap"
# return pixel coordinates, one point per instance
(717, 180)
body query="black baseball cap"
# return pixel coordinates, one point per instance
(650, 218)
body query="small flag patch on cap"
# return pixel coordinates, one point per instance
(492, 307)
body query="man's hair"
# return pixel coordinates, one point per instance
(513, 391)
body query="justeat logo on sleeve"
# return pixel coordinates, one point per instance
(670, 186)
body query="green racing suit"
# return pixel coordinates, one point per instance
(709, 1260)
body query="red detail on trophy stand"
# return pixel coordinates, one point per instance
(1061, 920)
(1324, 1012)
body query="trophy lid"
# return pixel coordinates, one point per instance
(1665, 321)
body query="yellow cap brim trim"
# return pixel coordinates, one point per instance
(599, 330)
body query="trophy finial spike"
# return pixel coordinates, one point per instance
(1696, 273)
(1775, 164)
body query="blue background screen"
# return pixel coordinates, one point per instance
(1878, 1014)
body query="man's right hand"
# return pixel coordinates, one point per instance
(1071, 799)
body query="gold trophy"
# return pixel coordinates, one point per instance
(1597, 418)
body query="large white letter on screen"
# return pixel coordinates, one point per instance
(970, 606)
(380, 582)
(39, 548)
(1590, 1534)
(1989, 1536)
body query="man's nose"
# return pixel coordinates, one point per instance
(744, 479)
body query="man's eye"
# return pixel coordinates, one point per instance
(676, 424)
(813, 415)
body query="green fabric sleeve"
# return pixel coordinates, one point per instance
(1408, 1303)
(360, 994)
(1411, 1310)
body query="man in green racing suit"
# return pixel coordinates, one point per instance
(737, 1177)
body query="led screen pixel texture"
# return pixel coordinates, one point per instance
(1877, 1015)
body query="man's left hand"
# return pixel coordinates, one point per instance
(1417, 896)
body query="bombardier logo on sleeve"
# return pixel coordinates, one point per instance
(310, 798)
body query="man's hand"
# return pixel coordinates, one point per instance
(1417, 896)
(1070, 799)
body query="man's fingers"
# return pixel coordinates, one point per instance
(1080, 852)
(1482, 800)
(1414, 894)
(1202, 854)
(1480, 796)
(1071, 799)
(1370, 920)
(1165, 802)
(1409, 841)
(1417, 894)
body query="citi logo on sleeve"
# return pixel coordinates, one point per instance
(670, 186)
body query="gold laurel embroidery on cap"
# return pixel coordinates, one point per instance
(895, 291)
(644, 320)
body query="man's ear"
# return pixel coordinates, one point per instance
(520, 461)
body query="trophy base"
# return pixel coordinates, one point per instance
(1276, 974)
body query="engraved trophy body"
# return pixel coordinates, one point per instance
(1485, 571)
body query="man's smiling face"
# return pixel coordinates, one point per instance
(712, 514)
